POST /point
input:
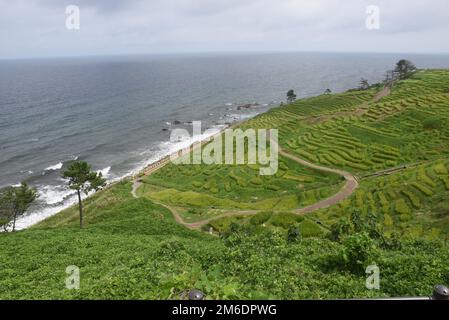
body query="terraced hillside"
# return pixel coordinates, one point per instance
(412, 201)
(399, 148)
(392, 139)
(203, 191)
(403, 128)
(373, 164)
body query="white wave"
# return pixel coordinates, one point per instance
(58, 198)
(54, 167)
(38, 215)
(228, 104)
(167, 148)
(52, 195)
(52, 200)
(239, 117)
(105, 172)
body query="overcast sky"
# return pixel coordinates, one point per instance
(37, 28)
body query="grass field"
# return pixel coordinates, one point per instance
(397, 218)
(133, 249)
(405, 127)
(205, 190)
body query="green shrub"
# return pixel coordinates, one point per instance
(285, 219)
(293, 234)
(260, 218)
(221, 225)
(359, 251)
(340, 229)
(310, 229)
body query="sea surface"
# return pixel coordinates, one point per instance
(117, 112)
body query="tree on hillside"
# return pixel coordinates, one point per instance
(364, 84)
(291, 96)
(404, 69)
(14, 202)
(389, 77)
(82, 179)
(327, 91)
(293, 234)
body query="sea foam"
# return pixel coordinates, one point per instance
(57, 166)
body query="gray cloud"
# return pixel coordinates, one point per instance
(37, 27)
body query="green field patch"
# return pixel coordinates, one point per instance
(413, 198)
(285, 219)
(260, 218)
(309, 229)
(195, 199)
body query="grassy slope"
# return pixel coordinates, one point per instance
(132, 248)
(387, 134)
(203, 188)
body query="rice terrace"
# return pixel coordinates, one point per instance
(363, 179)
(395, 139)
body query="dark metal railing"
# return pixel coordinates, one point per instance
(440, 292)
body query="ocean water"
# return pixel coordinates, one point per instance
(116, 112)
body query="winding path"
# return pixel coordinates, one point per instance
(348, 189)
(191, 225)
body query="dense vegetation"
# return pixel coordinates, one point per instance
(131, 248)
(398, 218)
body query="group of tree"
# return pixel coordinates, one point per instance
(16, 200)
(403, 70)
(364, 84)
(291, 96)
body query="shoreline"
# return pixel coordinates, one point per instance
(133, 175)
(149, 169)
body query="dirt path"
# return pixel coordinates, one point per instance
(136, 185)
(348, 189)
(200, 224)
(178, 217)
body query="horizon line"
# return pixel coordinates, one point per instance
(224, 52)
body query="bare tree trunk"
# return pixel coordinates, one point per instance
(80, 204)
(14, 222)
